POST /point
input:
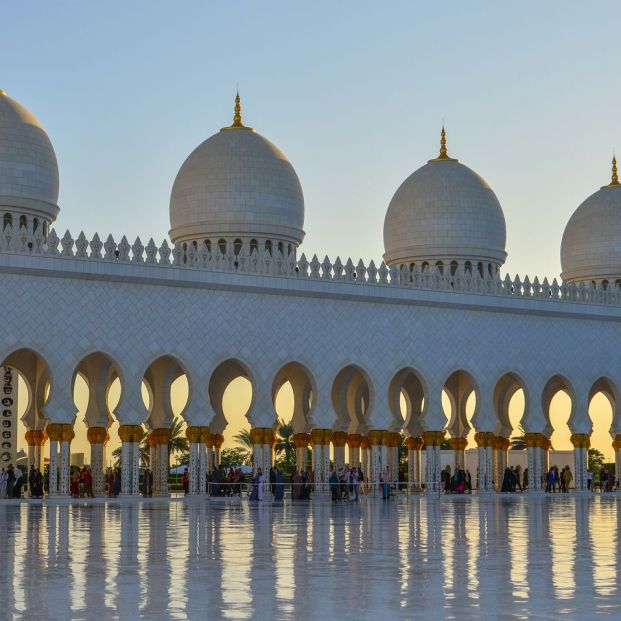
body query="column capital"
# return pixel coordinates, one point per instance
(616, 443)
(258, 435)
(193, 434)
(413, 443)
(301, 440)
(54, 431)
(131, 433)
(339, 439)
(161, 435)
(218, 439)
(320, 436)
(97, 435)
(433, 438)
(354, 440)
(205, 435)
(458, 444)
(365, 443)
(376, 437)
(35, 437)
(68, 433)
(581, 440)
(484, 438)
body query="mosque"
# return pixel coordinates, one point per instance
(232, 294)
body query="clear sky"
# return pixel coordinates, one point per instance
(354, 93)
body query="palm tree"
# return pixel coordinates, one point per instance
(177, 443)
(518, 442)
(245, 445)
(284, 441)
(145, 457)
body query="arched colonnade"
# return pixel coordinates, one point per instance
(348, 410)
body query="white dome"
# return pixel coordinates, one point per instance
(444, 212)
(591, 245)
(237, 184)
(28, 167)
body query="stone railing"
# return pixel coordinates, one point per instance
(24, 242)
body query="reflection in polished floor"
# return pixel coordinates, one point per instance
(466, 558)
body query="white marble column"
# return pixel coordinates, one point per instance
(485, 441)
(97, 437)
(97, 468)
(414, 445)
(325, 470)
(126, 468)
(268, 460)
(376, 438)
(364, 460)
(202, 468)
(64, 467)
(135, 468)
(53, 468)
(317, 466)
(193, 468)
(616, 445)
(257, 457)
(339, 456)
(160, 477)
(581, 442)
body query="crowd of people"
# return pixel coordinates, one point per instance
(11, 482)
(458, 481)
(345, 483)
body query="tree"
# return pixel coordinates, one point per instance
(244, 445)
(177, 443)
(595, 459)
(284, 441)
(231, 457)
(518, 442)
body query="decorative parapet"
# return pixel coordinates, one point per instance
(199, 257)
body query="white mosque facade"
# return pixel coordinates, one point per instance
(232, 294)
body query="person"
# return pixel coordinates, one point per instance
(550, 480)
(10, 481)
(445, 479)
(589, 477)
(469, 481)
(17, 486)
(355, 482)
(3, 479)
(334, 486)
(603, 478)
(518, 478)
(557, 480)
(272, 480)
(75, 483)
(567, 479)
(185, 480)
(37, 490)
(507, 481)
(145, 483)
(296, 486)
(87, 479)
(31, 480)
(280, 486)
(525, 479)
(116, 485)
(386, 483)
(260, 479)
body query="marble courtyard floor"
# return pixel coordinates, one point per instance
(498, 557)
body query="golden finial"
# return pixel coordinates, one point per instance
(614, 181)
(237, 119)
(2, 92)
(443, 150)
(615, 176)
(237, 122)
